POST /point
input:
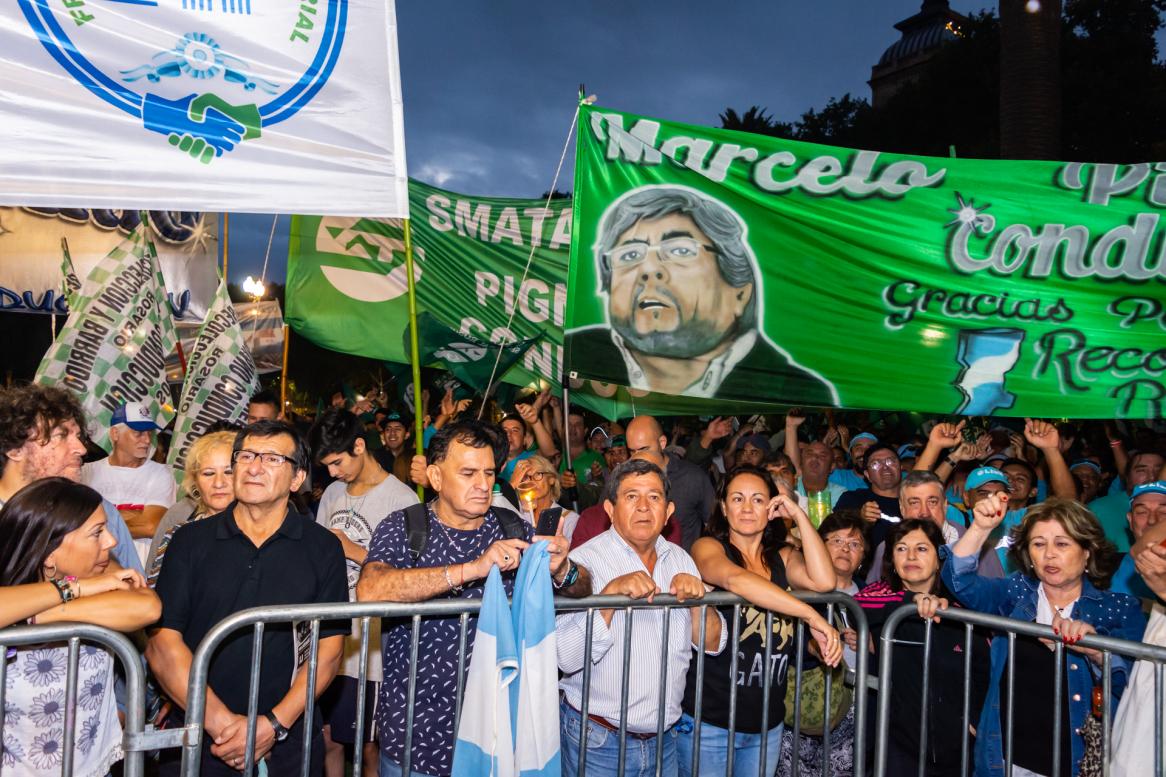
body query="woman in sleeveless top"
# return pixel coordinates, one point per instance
(746, 553)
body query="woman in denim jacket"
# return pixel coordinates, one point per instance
(1065, 562)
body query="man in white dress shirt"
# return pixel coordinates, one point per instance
(631, 559)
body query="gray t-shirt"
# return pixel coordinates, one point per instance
(358, 517)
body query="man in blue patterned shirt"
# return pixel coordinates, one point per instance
(465, 537)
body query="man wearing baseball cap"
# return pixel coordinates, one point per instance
(1147, 508)
(1089, 474)
(142, 489)
(853, 479)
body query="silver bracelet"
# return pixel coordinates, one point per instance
(449, 580)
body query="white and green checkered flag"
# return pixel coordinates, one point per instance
(220, 378)
(114, 345)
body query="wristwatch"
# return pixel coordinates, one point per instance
(280, 732)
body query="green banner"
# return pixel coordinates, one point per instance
(719, 264)
(473, 361)
(346, 286)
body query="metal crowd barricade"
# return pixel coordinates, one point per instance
(1012, 629)
(73, 634)
(257, 618)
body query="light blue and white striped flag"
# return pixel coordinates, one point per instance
(510, 714)
(485, 742)
(535, 697)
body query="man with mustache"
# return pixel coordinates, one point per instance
(682, 292)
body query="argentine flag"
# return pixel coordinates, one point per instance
(510, 715)
(535, 697)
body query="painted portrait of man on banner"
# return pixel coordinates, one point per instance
(685, 304)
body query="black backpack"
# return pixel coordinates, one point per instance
(417, 527)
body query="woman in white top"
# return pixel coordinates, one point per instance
(55, 565)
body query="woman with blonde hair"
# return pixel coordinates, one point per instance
(208, 488)
(1065, 565)
(537, 483)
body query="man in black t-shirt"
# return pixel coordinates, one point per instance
(258, 551)
(878, 504)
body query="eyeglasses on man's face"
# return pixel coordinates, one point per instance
(882, 464)
(677, 250)
(244, 457)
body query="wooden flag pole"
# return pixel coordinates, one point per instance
(226, 242)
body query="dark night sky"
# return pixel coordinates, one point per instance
(490, 85)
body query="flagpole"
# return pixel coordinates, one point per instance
(283, 374)
(414, 351)
(226, 241)
(144, 217)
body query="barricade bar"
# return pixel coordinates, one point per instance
(1011, 629)
(72, 635)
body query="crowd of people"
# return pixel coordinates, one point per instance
(1057, 524)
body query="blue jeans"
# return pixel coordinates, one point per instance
(390, 768)
(714, 742)
(603, 749)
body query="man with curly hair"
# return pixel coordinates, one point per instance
(42, 432)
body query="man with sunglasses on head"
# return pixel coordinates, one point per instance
(683, 290)
(259, 551)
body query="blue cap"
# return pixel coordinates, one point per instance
(863, 436)
(908, 451)
(135, 415)
(982, 475)
(1093, 465)
(1153, 487)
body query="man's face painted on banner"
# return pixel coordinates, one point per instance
(667, 295)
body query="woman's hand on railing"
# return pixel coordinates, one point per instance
(1071, 632)
(828, 639)
(929, 606)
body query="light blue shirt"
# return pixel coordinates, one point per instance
(1126, 580)
(848, 479)
(124, 552)
(1111, 513)
(834, 490)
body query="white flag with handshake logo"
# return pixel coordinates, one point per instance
(214, 105)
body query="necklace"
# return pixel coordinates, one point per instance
(444, 530)
(352, 506)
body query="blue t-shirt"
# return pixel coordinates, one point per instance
(848, 479)
(433, 733)
(1126, 580)
(1111, 514)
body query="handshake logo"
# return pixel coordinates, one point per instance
(202, 99)
(203, 126)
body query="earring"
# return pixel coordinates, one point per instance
(50, 575)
